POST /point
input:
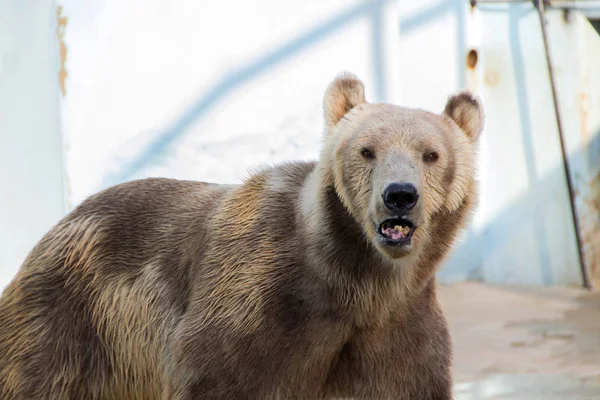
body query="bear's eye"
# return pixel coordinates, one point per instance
(368, 154)
(431, 156)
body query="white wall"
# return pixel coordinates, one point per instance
(192, 90)
(207, 90)
(31, 172)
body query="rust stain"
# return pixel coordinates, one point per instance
(472, 59)
(566, 16)
(62, 26)
(491, 77)
(588, 208)
(584, 110)
(590, 230)
(595, 192)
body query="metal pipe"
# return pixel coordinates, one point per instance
(563, 148)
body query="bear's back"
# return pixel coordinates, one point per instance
(91, 309)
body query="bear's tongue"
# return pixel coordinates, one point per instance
(396, 232)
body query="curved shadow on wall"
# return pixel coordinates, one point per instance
(229, 82)
(232, 80)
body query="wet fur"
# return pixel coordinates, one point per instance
(182, 290)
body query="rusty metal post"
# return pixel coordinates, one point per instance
(543, 22)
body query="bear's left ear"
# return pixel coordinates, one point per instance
(465, 109)
(342, 95)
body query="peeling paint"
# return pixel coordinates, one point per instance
(590, 227)
(587, 174)
(588, 193)
(62, 26)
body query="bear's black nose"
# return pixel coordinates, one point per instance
(400, 196)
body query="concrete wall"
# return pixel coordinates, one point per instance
(31, 167)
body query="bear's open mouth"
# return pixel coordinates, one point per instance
(396, 230)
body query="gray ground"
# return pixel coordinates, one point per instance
(524, 343)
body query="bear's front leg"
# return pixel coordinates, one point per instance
(214, 361)
(189, 384)
(206, 366)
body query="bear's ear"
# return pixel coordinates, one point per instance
(342, 95)
(465, 109)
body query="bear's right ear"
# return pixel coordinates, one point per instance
(342, 95)
(466, 111)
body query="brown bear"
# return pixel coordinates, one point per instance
(307, 281)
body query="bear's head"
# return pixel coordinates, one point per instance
(398, 170)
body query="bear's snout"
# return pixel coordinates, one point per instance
(400, 197)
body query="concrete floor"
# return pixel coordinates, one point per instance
(524, 343)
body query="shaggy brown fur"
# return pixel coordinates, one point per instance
(279, 288)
